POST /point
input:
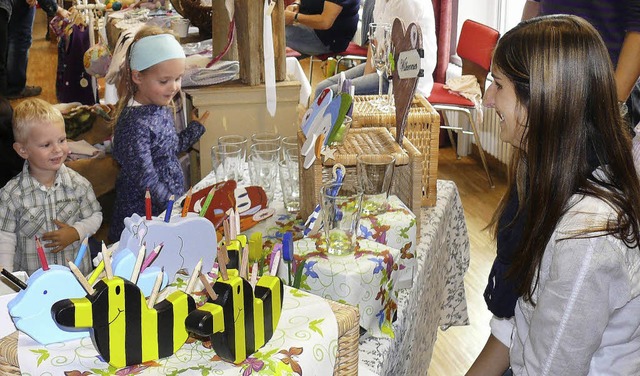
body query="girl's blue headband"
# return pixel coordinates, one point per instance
(154, 49)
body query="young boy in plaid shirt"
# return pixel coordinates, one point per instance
(46, 200)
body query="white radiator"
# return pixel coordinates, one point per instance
(489, 132)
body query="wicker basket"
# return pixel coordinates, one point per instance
(347, 316)
(407, 176)
(199, 14)
(9, 355)
(423, 130)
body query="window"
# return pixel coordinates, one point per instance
(499, 14)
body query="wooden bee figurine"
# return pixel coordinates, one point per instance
(239, 321)
(124, 330)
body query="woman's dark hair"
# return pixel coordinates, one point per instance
(563, 76)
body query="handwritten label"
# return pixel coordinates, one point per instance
(408, 64)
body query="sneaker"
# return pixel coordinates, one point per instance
(28, 91)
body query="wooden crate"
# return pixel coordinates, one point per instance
(407, 175)
(423, 130)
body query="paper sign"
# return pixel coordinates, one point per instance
(408, 64)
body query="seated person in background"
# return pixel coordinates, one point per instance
(11, 161)
(364, 77)
(575, 221)
(315, 27)
(46, 200)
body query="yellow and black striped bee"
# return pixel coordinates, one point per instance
(239, 321)
(124, 330)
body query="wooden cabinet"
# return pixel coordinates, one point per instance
(236, 108)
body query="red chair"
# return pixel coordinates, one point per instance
(475, 48)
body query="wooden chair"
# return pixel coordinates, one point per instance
(475, 47)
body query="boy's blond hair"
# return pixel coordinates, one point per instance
(31, 111)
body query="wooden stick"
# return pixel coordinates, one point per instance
(223, 256)
(136, 268)
(207, 286)
(83, 281)
(254, 275)
(106, 257)
(244, 265)
(194, 277)
(156, 288)
(227, 231)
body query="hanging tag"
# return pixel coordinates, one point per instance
(272, 4)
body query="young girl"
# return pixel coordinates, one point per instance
(575, 263)
(145, 142)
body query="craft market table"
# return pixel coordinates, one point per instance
(436, 298)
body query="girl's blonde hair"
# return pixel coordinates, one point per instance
(126, 87)
(30, 112)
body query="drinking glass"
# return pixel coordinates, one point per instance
(263, 166)
(241, 142)
(290, 179)
(268, 137)
(226, 162)
(390, 105)
(379, 36)
(341, 206)
(375, 173)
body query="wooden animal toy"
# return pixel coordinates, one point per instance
(407, 70)
(31, 308)
(124, 330)
(123, 265)
(186, 240)
(240, 320)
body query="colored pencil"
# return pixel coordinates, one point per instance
(167, 214)
(96, 273)
(137, 266)
(186, 203)
(147, 204)
(83, 281)
(152, 256)
(156, 288)
(41, 256)
(15, 280)
(106, 257)
(194, 277)
(207, 202)
(81, 251)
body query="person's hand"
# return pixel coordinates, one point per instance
(288, 17)
(60, 238)
(295, 7)
(61, 12)
(199, 119)
(31, 3)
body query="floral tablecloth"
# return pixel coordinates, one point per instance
(437, 297)
(305, 343)
(365, 279)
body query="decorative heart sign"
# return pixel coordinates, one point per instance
(406, 70)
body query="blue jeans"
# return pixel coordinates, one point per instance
(304, 40)
(20, 30)
(365, 84)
